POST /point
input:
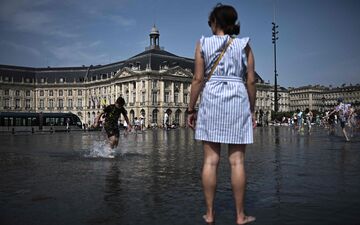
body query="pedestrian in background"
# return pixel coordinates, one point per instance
(226, 112)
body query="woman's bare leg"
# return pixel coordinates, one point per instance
(209, 174)
(238, 181)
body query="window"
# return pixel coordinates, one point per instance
(79, 105)
(41, 92)
(41, 104)
(154, 116)
(69, 92)
(51, 93)
(61, 93)
(134, 85)
(79, 93)
(185, 100)
(51, 103)
(17, 93)
(27, 93)
(70, 103)
(154, 98)
(167, 97)
(176, 97)
(17, 103)
(6, 92)
(27, 103)
(154, 84)
(143, 84)
(167, 84)
(143, 98)
(134, 97)
(61, 103)
(7, 103)
(177, 116)
(127, 99)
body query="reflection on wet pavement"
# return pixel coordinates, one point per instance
(155, 179)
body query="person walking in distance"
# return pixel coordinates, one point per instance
(226, 112)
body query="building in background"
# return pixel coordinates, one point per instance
(153, 82)
(323, 98)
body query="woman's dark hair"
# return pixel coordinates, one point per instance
(120, 101)
(225, 17)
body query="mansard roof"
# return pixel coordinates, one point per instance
(153, 58)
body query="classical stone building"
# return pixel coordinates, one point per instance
(152, 83)
(323, 98)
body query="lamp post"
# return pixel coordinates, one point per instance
(274, 39)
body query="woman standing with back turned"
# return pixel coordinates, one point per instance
(226, 112)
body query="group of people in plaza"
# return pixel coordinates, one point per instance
(225, 75)
(342, 114)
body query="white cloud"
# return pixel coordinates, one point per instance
(78, 53)
(33, 17)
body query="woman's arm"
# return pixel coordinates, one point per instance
(250, 80)
(196, 85)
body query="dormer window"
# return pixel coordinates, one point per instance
(6, 78)
(61, 80)
(42, 80)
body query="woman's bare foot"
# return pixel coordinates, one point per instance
(245, 220)
(209, 219)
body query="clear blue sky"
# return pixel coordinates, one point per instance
(318, 39)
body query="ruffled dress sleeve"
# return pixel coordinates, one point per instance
(243, 42)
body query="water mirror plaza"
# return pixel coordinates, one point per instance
(293, 178)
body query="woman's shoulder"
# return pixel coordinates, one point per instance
(243, 41)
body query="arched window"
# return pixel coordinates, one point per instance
(142, 112)
(177, 116)
(154, 116)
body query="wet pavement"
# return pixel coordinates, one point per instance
(293, 178)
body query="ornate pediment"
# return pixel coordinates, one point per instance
(124, 72)
(179, 71)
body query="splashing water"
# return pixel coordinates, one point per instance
(101, 149)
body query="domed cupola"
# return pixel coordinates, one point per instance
(154, 38)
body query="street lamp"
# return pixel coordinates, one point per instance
(274, 39)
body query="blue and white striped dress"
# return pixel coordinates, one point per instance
(224, 114)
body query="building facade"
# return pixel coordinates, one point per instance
(323, 98)
(152, 83)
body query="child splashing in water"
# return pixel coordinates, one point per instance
(112, 114)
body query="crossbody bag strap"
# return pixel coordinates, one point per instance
(219, 58)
